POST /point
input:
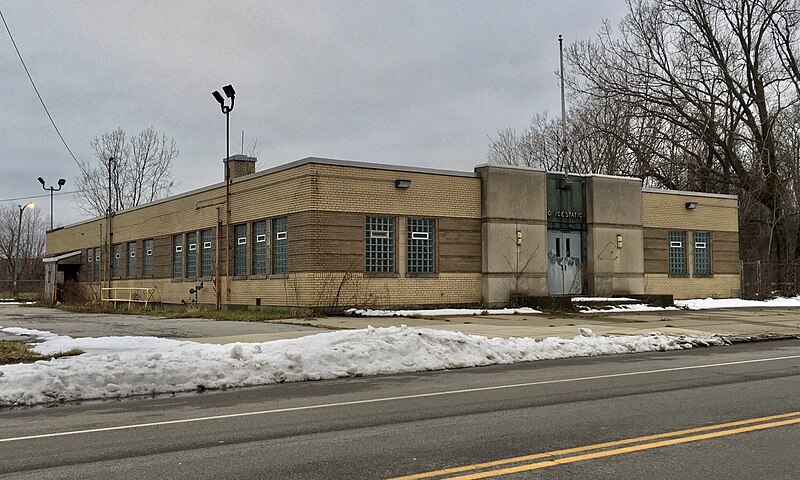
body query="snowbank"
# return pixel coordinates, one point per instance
(440, 312)
(709, 303)
(114, 367)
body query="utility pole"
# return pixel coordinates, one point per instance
(14, 289)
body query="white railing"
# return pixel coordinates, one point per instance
(127, 294)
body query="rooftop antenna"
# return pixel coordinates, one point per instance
(565, 162)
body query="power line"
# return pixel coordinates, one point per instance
(41, 196)
(37, 92)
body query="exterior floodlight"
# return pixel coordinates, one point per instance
(52, 189)
(691, 205)
(400, 183)
(219, 98)
(229, 91)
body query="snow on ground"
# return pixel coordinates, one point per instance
(709, 303)
(440, 312)
(601, 299)
(699, 304)
(114, 367)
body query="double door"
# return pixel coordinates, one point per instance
(564, 263)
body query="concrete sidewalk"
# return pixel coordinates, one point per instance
(736, 323)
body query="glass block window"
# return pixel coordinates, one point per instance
(191, 255)
(205, 253)
(240, 250)
(280, 243)
(702, 253)
(380, 244)
(177, 256)
(117, 262)
(97, 264)
(260, 248)
(131, 259)
(148, 257)
(89, 276)
(421, 245)
(677, 252)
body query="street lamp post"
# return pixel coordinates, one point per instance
(14, 289)
(226, 110)
(52, 189)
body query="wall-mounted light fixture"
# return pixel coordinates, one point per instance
(399, 183)
(691, 205)
(619, 241)
(519, 237)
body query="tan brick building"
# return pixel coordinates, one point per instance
(328, 233)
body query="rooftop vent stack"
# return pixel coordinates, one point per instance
(240, 165)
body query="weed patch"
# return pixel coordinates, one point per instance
(15, 351)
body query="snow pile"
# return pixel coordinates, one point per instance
(115, 367)
(709, 303)
(439, 312)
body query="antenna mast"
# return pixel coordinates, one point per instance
(565, 162)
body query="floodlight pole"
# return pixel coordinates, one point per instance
(563, 108)
(52, 189)
(14, 289)
(226, 110)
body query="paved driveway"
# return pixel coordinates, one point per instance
(100, 325)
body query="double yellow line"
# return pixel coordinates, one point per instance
(607, 449)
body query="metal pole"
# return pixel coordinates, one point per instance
(51, 208)
(16, 254)
(565, 163)
(227, 199)
(16, 251)
(109, 273)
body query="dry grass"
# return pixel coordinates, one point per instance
(15, 351)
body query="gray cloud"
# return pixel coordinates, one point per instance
(414, 83)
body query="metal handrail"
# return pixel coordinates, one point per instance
(111, 294)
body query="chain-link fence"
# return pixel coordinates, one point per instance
(28, 289)
(768, 279)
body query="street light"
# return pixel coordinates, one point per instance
(226, 110)
(16, 253)
(52, 189)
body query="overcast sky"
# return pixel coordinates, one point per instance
(409, 83)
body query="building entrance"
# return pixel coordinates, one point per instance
(564, 265)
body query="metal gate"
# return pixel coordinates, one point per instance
(564, 263)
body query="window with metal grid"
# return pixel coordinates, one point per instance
(97, 264)
(240, 250)
(677, 252)
(380, 244)
(117, 263)
(702, 253)
(131, 259)
(177, 256)
(191, 255)
(280, 245)
(421, 245)
(89, 276)
(260, 248)
(205, 254)
(147, 265)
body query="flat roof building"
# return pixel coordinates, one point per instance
(322, 233)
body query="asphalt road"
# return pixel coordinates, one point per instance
(390, 426)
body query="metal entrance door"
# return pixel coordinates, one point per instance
(564, 263)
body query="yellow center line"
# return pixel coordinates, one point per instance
(620, 451)
(585, 448)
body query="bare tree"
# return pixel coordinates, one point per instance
(31, 241)
(140, 172)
